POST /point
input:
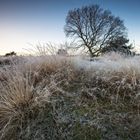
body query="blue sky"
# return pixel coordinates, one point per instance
(33, 21)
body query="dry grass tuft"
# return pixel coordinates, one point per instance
(19, 102)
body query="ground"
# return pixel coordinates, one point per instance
(70, 98)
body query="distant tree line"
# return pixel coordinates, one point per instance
(10, 54)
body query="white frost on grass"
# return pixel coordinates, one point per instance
(110, 64)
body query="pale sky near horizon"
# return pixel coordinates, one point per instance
(25, 22)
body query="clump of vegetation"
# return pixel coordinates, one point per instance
(10, 54)
(70, 98)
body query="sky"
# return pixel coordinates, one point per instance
(26, 22)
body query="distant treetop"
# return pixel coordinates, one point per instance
(10, 54)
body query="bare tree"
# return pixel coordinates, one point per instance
(93, 27)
